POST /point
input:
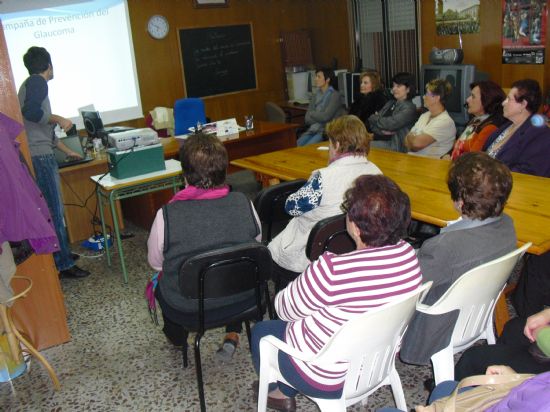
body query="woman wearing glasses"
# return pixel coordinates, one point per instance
(434, 133)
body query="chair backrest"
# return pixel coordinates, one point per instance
(475, 294)
(187, 112)
(226, 271)
(275, 113)
(370, 342)
(270, 203)
(329, 234)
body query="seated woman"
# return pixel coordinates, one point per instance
(524, 146)
(521, 145)
(485, 105)
(434, 133)
(325, 105)
(371, 99)
(515, 347)
(392, 123)
(479, 188)
(335, 288)
(203, 216)
(322, 195)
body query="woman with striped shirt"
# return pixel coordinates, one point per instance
(336, 288)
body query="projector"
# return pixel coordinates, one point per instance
(446, 56)
(132, 138)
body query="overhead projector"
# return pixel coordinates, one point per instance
(133, 138)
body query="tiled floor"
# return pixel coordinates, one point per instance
(118, 360)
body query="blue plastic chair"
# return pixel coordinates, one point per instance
(187, 112)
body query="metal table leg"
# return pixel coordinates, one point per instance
(100, 198)
(112, 200)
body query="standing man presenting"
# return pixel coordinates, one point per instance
(40, 123)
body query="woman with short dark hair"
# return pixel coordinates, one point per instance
(371, 98)
(203, 216)
(337, 288)
(391, 124)
(479, 187)
(522, 144)
(325, 105)
(485, 106)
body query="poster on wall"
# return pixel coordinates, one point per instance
(524, 25)
(456, 16)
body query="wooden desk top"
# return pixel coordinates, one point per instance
(424, 180)
(261, 129)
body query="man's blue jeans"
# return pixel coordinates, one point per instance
(47, 179)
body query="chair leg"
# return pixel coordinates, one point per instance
(37, 355)
(248, 333)
(184, 348)
(443, 365)
(490, 332)
(198, 367)
(268, 303)
(397, 389)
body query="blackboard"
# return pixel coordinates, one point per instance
(217, 60)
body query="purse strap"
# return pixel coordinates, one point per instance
(477, 380)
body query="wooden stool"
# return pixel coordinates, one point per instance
(14, 337)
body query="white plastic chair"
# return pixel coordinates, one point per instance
(368, 342)
(474, 294)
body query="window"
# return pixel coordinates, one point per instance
(386, 36)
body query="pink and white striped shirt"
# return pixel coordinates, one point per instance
(336, 288)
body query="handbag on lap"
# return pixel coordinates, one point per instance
(497, 393)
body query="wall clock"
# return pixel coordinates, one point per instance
(158, 26)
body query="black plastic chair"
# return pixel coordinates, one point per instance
(218, 275)
(329, 234)
(270, 204)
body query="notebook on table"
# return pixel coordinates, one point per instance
(75, 144)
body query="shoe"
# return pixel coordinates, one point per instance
(283, 405)
(74, 272)
(75, 256)
(288, 404)
(229, 346)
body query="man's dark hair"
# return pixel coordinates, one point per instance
(37, 60)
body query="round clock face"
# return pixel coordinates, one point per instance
(157, 26)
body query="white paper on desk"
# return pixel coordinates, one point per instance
(227, 127)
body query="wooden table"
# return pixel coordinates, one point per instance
(77, 188)
(424, 180)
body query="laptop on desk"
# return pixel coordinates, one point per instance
(75, 144)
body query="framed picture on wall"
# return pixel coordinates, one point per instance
(210, 3)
